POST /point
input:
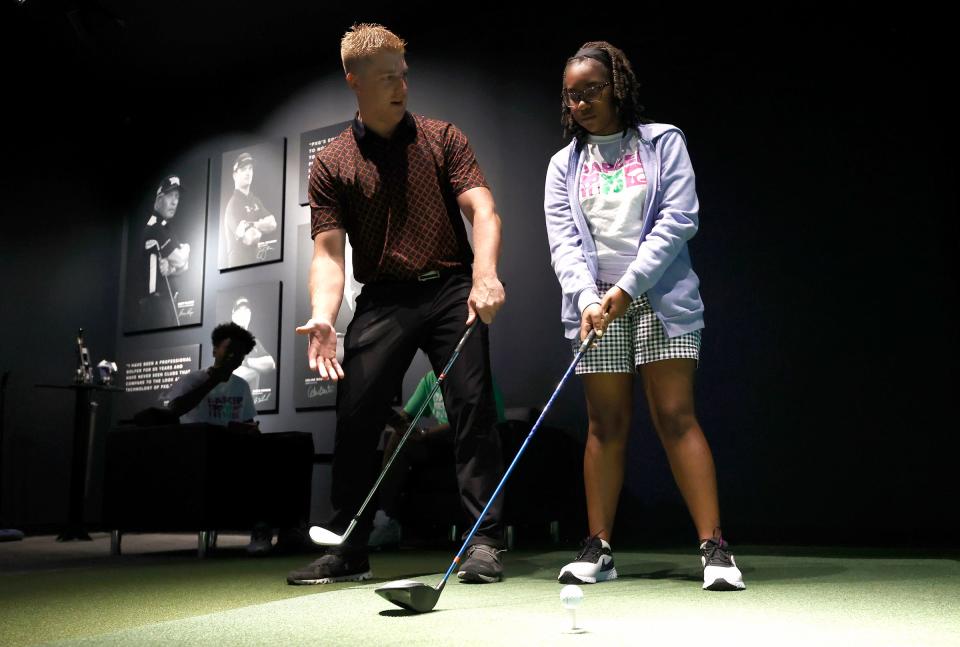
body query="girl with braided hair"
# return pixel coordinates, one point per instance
(620, 204)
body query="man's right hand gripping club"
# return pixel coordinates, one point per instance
(322, 349)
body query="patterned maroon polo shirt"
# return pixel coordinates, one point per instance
(396, 197)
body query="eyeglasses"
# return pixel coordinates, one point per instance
(571, 98)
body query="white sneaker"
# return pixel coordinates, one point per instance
(720, 572)
(594, 563)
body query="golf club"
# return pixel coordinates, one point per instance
(326, 537)
(419, 597)
(173, 303)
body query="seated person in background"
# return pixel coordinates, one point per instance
(386, 529)
(218, 397)
(215, 395)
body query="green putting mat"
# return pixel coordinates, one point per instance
(790, 600)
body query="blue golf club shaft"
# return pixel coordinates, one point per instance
(576, 360)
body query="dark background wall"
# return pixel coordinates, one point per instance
(828, 226)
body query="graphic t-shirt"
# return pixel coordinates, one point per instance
(228, 401)
(613, 190)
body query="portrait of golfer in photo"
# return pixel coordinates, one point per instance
(251, 205)
(165, 252)
(256, 308)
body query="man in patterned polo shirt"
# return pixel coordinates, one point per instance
(396, 183)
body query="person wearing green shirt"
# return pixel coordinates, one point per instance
(386, 529)
(435, 409)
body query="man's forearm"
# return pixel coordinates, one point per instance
(486, 242)
(326, 288)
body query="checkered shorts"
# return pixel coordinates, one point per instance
(636, 337)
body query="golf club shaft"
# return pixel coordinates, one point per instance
(173, 302)
(576, 360)
(413, 423)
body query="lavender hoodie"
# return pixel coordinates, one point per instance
(662, 268)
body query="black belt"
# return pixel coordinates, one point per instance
(426, 277)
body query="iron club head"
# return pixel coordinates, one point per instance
(324, 537)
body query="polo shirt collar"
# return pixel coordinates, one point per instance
(361, 134)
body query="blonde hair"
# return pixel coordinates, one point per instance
(366, 39)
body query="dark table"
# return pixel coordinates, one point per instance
(83, 404)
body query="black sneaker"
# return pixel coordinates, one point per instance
(336, 566)
(261, 540)
(481, 566)
(720, 572)
(594, 563)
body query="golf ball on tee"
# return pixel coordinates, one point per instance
(571, 596)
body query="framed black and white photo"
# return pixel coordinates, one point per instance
(251, 205)
(309, 391)
(166, 238)
(256, 308)
(311, 143)
(147, 374)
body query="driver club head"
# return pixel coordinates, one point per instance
(410, 594)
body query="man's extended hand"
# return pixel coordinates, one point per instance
(322, 349)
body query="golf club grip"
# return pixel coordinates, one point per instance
(463, 341)
(576, 360)
(586, 343)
